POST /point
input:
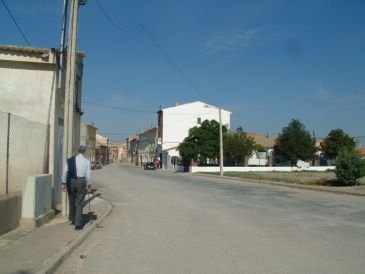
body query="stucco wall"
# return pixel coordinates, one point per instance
(88, 139)
(194, 169)
(147, 145)
(178, 120)
(28, 90)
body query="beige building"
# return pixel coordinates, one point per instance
(132, 149)
(102, 149)
(118, 152)
(29, 90)
(88, 139)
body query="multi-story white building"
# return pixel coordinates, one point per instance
(147, 145)
(174, 124)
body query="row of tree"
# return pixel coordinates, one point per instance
(293, 143)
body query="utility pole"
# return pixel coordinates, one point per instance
(220, 139)
(62, 48)
(70, 84)
(220, 143)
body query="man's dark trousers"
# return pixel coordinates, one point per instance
(76, 195)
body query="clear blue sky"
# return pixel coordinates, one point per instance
(266, 61)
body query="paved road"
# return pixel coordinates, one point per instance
(177, 223)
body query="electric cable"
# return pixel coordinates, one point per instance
(119, 108)
(155, 41)
(143, 111)
(15, 22)
(112, 21)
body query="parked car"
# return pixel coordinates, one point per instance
(149, 166)
(96, 165)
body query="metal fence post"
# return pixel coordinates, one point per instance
(7, 157)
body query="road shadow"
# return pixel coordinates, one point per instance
(88, 218)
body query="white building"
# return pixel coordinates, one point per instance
(29, 78)
(174, 124)
(28, 89)
(147, 145)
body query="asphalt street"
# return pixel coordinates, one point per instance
(180, 223)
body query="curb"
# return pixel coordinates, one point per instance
(306, 187)
(52, 263)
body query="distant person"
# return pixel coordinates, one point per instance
(76, 181)
(157, 163)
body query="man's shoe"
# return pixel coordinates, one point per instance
(79, 227)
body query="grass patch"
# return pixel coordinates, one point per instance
(320, 178)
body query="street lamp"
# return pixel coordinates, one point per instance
(220, 140)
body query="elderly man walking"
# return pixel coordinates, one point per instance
(76, 181)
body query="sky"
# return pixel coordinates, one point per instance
(267, 61)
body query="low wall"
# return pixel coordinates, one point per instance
(10, 211)
(194, 169)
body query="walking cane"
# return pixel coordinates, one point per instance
(90, 219)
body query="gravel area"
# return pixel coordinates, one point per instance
(300, 177)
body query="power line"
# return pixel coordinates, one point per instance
(155, 41)
(114, 134)
(164, 52)
(12, 17)
(112, 21)
(145, 111)
(120, 108)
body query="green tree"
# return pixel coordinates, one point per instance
(336, 141)
(259, 148)
(237, 145)
(295, 143)
(349, 167)
(202, 142)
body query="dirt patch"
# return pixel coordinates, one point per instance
(327, 178)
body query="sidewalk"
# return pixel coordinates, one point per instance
(43, 249)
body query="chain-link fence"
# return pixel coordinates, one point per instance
(23, 151)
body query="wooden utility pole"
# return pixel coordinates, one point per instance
(220, 143)
(70, 85)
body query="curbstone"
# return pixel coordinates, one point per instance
(52, 263)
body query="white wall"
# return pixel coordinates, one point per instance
(147, 145)
(194, 169)
(178, 120)
(28, 88)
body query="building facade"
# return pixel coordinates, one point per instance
(31, 88)
(132, 149)
(118, 152)
(88, 139)
(147, 146)
(174, 124)
(102, 149)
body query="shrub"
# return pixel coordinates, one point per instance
(349, 167)
(362, 169)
